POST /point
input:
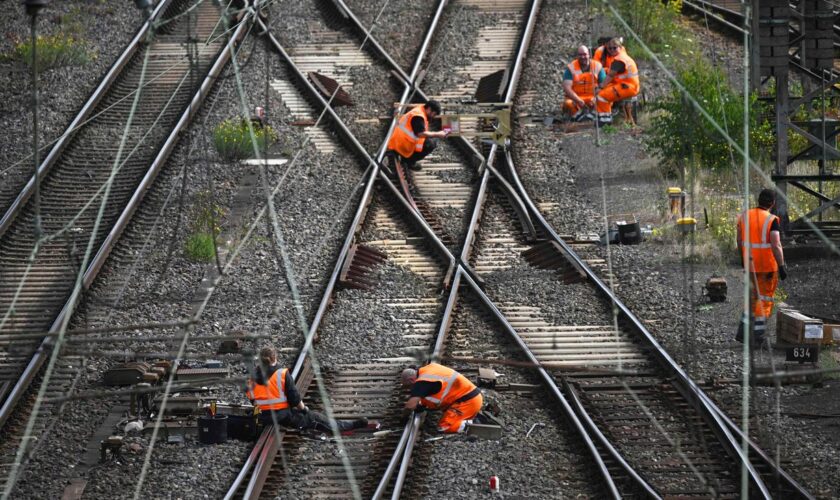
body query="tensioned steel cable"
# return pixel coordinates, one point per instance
(76, 289)
(298, 308)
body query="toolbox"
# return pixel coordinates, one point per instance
(793, 327)
(242, 423)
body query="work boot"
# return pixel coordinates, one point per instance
(413, 166)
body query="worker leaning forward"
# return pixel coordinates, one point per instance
(622, 80)
(412, 140)
(437, 387)
(579, 81)
(760, 248)
(272, 389)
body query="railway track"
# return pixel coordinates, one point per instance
(705, 438)
(156, 86)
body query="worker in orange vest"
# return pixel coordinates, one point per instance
(622, 81)
(760, 248)
(604, 56)
(272, 389)
(412, 140)
(579, 81)
(437, 387)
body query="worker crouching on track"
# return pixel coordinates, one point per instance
(412, 140)
(622, 81)
(579, 81)
(273, 390)
(760, 248)
(437, 387)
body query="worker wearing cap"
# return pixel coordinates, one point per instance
(579, 81)
(760, 248)
(272, 389)
(437, 387)
(622, 81)
(412, 140)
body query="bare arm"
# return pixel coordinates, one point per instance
(442, 134)
(776, 245)
(412, 403)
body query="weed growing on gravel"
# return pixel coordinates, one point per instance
(199, 247)
(206, 226)
(232, 138)
(53, 51)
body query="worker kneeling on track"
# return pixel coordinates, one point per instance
(622, 81)
(412, 140)
(272, 389)
(579, 81)
(437, 387)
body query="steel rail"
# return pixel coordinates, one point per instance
(42, 352)
(271, 443)
(94, 99)
(682, 381)
(548, 380)
(518, 204)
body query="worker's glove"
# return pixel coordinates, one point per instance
(782, 273)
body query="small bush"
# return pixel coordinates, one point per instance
(199, 247)
(679, 133)
(53, 51)
(232, 139)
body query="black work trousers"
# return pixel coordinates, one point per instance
(429, 145)
(303, 419)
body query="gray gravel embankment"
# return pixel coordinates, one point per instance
(253, 296)
(664, 290)
(103, 28)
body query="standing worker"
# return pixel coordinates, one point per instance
(438, 387)
(273, 390)
(579, 81)
(622, 82)
(763, 259)
(412, 140)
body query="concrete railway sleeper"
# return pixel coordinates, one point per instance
(45, 295)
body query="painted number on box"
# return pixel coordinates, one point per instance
(803, 354)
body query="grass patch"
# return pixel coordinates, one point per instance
(52, 51)
(205, 228)
(232, 139)
(200, 248)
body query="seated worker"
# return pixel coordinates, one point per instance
(273, 390)
(437, 387)
(622, 81)
(411, 138)
(579, 81)
(602, 55)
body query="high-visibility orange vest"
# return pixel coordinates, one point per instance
(584, 82)
(271, 396)
(453, 385)
(604, 58)
(761, 255)
(630, 75)
(403, 140)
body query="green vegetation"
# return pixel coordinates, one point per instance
(232, 138)
(679, 133)
(199, 247)
(206, 227)
(53, 51)
(655, 22)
